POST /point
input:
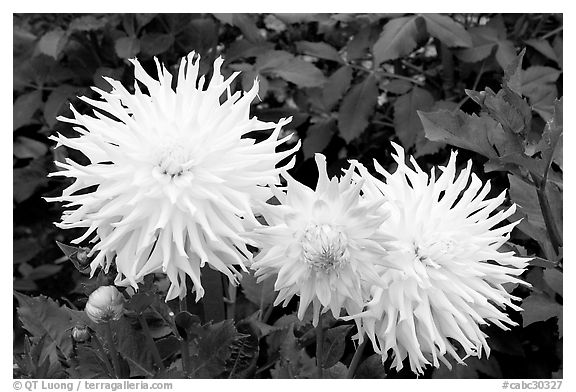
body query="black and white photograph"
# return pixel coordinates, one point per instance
(287, 196)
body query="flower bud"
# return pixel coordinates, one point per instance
(105, 304)
(80, 333)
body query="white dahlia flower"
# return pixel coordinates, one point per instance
(451, 273)
(324, 245)
(176, 178)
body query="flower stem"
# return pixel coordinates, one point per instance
(356, 359)
(112, 347)
(106, 361)
(213, 300)
(150, 342)
(184, 350)
(320, 347)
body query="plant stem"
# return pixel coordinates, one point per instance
(112, 347)
(356, 358)
(551, 228)
(184, 344)
(150, 342)
(109, 367)
(213, 300)
(320, 347)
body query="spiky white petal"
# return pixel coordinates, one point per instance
(324, 244)
(452, 273)
(176, 176)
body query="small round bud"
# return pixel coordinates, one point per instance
(80, 333)
(105, 304)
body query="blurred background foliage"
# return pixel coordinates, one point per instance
(352, 83)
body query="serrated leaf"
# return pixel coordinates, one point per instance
(127, 47)
(447, 30)
(513, 74)
(294, 361)
(25, 106)
(398, 39)
(539, 85)
(356, 108)
(334, 344)
(336, 85)
(214, 348)
(52, 43)
(479, 134)
(318, 137)
(321, 50)
(406, 121)
(42, 316)
(539, 307)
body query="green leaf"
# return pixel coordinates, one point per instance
(480, 134)
(406, 121)
(214, 349)
(245, 22)
(448, 31)
(24, 147)
(398, 39)
(154, 44)
(539, 85)
(539, 307)
(25, 106)
(52, 43)
(300, 72)
(336, 85)
(554, 278)
(318, 136)
(25, 249)
(484, 40)
(294, 361)
(261, 294)
(58, 103)
(513, 74)
(544, 47)
(356, 108)
(321, 50)
(26, 180)
(506, 53)
(334, 344)
(371, 367)
(42, 316)
(127, 47)
(338, 371)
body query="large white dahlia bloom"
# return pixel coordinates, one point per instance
(176, 179)
(324, 245)
(451, 273)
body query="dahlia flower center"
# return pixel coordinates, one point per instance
(324, 248)
(173, 158)
(430, 252)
